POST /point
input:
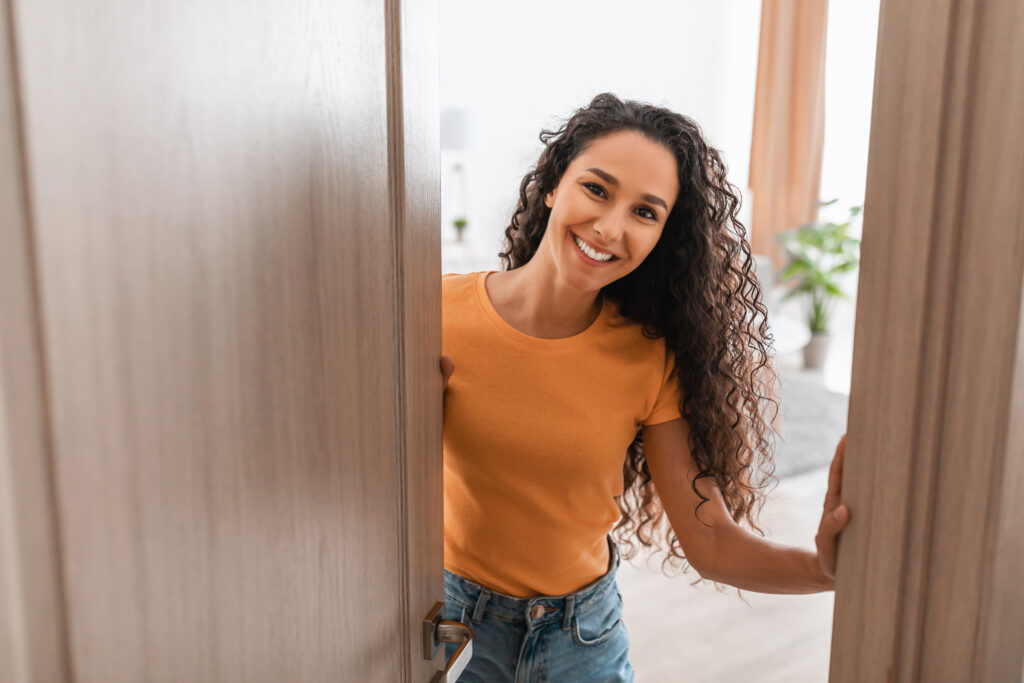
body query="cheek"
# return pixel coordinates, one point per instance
(642, 245)
(654, 238)
(578, 209)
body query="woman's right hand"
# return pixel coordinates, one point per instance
(447, 368)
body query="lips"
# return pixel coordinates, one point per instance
(595, 248)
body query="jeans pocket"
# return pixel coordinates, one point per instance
(599, 622)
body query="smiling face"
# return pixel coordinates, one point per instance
(614, 197)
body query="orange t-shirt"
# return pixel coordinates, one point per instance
(535, 439)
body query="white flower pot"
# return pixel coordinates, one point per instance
(817, 349)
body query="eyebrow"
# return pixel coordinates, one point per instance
(609, 178)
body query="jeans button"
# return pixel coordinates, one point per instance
(537, 612)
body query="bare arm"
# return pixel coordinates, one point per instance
(723, 551)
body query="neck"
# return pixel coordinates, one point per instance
(542, 300)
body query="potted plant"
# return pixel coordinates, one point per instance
(819, 252)
(460, 224)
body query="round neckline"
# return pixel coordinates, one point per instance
(518, 335)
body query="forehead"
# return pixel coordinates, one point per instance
(633, 159)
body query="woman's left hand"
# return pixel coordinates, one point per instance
(834, 517)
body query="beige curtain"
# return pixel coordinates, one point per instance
(789, 121)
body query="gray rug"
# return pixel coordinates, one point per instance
(811, 421)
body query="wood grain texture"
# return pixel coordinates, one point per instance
(933, 473)
(414, 155)
(33, 639)
(209, 184)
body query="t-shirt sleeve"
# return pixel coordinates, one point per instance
(666, 405)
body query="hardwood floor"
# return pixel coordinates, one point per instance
(695, 634)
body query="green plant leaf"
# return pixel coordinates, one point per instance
(832, 288)
(844, 267)
(819, 251)
(797, 266)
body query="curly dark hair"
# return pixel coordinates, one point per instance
(696, 289)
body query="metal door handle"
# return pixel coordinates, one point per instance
(437, 631)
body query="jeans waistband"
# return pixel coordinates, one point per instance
(552, 607)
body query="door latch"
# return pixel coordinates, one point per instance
(437, 631)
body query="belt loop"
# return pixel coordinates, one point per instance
(570, 603)
(478, 611)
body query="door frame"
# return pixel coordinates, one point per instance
(414, 153)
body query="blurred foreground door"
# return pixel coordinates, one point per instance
(930, 568)
(220, 416)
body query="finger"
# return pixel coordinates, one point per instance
(841, 517)
(835, 477)
(827, 538)
(447, 368)
(839, 458)
(825, 542)
(832, 524)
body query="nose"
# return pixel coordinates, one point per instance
(609, 227)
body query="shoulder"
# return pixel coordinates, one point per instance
(449, 280)
(456, 282)
(458, 293)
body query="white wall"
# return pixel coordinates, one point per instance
(849, 81)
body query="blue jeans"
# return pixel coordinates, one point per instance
(567, 638)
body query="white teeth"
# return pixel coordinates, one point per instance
(596, 255)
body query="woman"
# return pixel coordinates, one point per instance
(613, 374)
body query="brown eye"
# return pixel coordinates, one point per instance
(590, 185)
(653, 215)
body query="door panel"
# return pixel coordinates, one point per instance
(227, 330)
(929, 568)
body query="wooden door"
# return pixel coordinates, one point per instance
(219, 338)
(930, 568)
